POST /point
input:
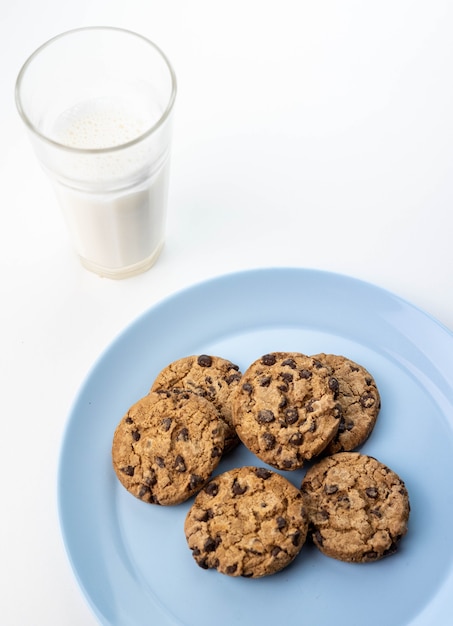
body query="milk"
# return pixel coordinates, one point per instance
(113, 199)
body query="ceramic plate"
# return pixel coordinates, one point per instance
(131, 558)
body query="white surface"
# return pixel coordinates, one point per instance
(309, 134)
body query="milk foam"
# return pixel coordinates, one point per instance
(99, 123)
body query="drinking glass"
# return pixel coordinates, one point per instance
(98, 105)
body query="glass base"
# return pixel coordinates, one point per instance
(123, 272)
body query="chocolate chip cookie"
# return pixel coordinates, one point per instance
(358, 508)
(210, 377)
(359, 399)
(247, 522)
(285, 409)
(167, 445)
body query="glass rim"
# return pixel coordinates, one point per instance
(115, 148)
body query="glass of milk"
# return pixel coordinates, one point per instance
(98, 105)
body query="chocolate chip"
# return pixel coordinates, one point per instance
(232, 378)
(216, 452)
(367, 400)
(247, 387)
(269, 441)
(183, 435)
(210, 545)
(265, 381)
(180, 393)
(330, 489)
(207, 515)
(211, 391)
(231, 569)
(287, 464)
(368, 381)
(204, 360)
(135, 435)
(296, 439)
(268, 359)
(295, 538)
(265, 416)
(305, 374)
(334, 386)
(284, 388)
(275, 551)
(281, 522)
(144, 491)
(203, 563)
(376, 512)
(344, 502)
(128, 470)
(287, 377)
(160, 461)
(129, 420)
(195, 481)
(212, 489)
(166, 423)
(283, 402)
(238, 490)
(290, 363)
(150, 479)
(180, 464)
(263, 473)
(371, 492)
(164, 392)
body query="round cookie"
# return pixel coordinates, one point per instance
(248, 522)
(359, 399)
(167, 445)
(358, 508)
(285, 409)
(210, 377)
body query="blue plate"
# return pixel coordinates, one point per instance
(131, 558)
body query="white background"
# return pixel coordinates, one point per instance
(309, 134)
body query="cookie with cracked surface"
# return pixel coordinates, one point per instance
(285, 409)
(167, 445)
(210, 377)
(360, 402)
(248, 521)
(358, 508)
